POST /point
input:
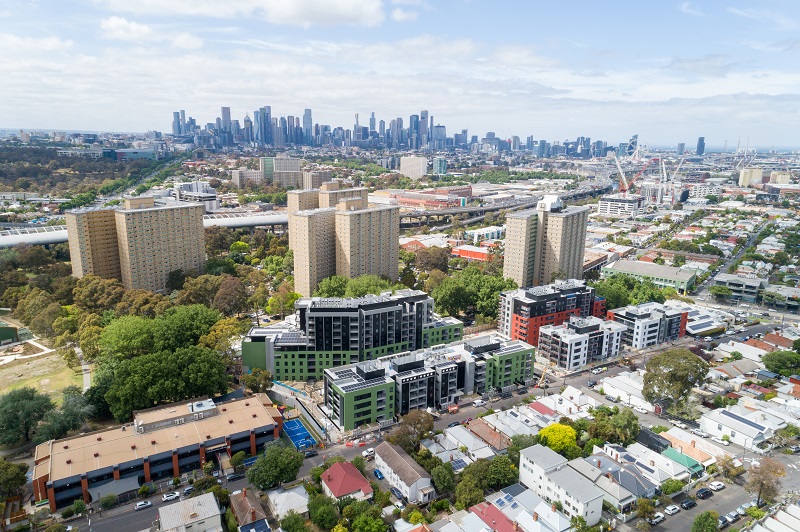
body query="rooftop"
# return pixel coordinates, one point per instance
(175, 517)
(650, 269)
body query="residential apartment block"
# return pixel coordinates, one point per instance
(413, 166)
(330, 332)
(525, 310)
(139, 244)
(282, 171)
(545, 243)
(580, 341)
(378, 390)
(650, 324)
(312, 239)
(547, 473)
(367, 240)
(621, 206)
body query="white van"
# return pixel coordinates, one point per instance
(479, 402)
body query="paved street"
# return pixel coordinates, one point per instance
(722, 502)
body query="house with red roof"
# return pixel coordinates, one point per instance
(343, 479)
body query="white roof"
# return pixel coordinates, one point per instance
(177, 515)
(283, 500)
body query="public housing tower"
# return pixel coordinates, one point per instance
(545, 243)
(139, 244)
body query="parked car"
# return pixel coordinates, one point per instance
(234, 476)
(591, 384)
(671, 509)
(679, 424)
(368, 453)
(657, 518)
(478, 402)
(742, 510)
(732, 516)
(612, 399)
(722, 522)
(396, 493)
(311, 454)
(378, 474)
(454, 424)
(505, 395)
(704, 493)
(598, 371)
(170, 496)
(640, 409)
(700, 432)
(688, 504)
(141, 505)
(794, 448)
(716, 485)
(759, 504)
(521, 391)
(188, 490)
(717, 439)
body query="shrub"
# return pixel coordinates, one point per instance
(672, 485)
(144, 491)
(755, 513)
(176, 481)
(66, 513)
(108, 501)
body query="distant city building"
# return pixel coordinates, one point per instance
(780, 178)
(681, 148)
(493, 232)
(378, 390)
(701, 146)
(439, 166)
(525, 310)
(580, 341)
(197, 192)
(139, 244)
(621, 206)
(749, 177)
(545, 243)
(650, 324)
(414, 167)
(331, 332)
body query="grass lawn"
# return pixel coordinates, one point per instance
(49, 374)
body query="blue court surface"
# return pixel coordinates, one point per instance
(299, 435)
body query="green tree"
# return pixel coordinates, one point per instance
(108, 501)
(128, 337)
(293, 522)
(432, 258)
(672, 485)
(468, 493)
(645, 508)
(74, 411)
(199, 290)
(322, 511)
(443, 478)
(367, 523)
(20, 412)
(501, 473)
(360, 464)
(79, 506)
(412, 429)
(282, 303)
(451, 296)
(672, 375)
(706, 522)
(783, 362)
(278, 464)
(183, 326)
(626, 423)
(720, 292)
(96, 294)
(12, 477)
(334, 286)
(231, 298)
(518, 443)
(367, 284)
(237, 460)
(558, 436)
(240, 247)
(764, 480)
(258, 381)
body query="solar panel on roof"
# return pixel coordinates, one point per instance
(514, 505)
(500, 503)
(508, 497)
(459, 464)
(741, 419)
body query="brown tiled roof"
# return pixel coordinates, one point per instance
(777, 339)
(482, 430)
(342, 478)
(760, 345)
(247, 507)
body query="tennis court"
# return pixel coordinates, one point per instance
(299, 435)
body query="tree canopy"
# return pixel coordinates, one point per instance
(622, 290)
(785, 363)
(20, 412)
(413, 427)
(279, 463)
(672, 375)
(558, 437)
(471, 289)
(764, 480)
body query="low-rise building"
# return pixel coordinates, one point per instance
(649, 324)
(613, 492)
(282, 501)
(246, 507)
(342, 480)
(197, 514)
(580, 341)
(546, 473)
(621, 205)
(739, 429)
(744, 288)
(404, 473)
(493, 232)
(627, 386)
(661, 276)
(472, 445)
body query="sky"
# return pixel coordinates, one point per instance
(668, 70)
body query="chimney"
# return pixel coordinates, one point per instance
(598, 465)
(694, 443)
(652, 463)
(329, 476)
(244, 491)
(515, 525)
(553, 508)
(253, 514)
(535, 516)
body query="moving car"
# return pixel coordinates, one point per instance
(657, 518)
(591, 384)
(170, 496)
(704, 493)
(700, 432)
(311, 454)
(688, 504)
(597, 371)
(717, 439)
(671, 509)
(478, 402)
(378, 474)
(716, 485)
(141, 505)
(640, 409)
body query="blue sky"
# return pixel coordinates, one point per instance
(670, 71)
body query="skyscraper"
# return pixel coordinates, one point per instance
(308, 128)
(176, 123)
(226, 118)
(372, 122)
(545, 243)
(681, 148)
(423, 129)
(367, 240)
(701, 145)
(312, 239)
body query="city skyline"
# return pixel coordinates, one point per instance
(671, 72)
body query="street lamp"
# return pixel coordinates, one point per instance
(744, 449)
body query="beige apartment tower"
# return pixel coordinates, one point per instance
(302, 200)
(545, 243)
(367, 240)
(330, 194)
(93, 245)
(312, 239)
(143, 244)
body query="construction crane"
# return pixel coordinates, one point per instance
(624, 184)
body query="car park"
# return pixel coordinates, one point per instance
(671, 509)
(688, 504)
(141, 505)
(704, 493)
(716, 485)
(657, 518)
(700, 432)
(378, 474)
(717, 439)
(170, 496)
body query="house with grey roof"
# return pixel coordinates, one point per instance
(741, 430)
(613, 492)
(626, 475)
(404, 473)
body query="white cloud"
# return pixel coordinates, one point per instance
(303, 13)
(124, 30)
(187, 41)
(780, 20)
(9, 42)
(687, 8)
(403, 15)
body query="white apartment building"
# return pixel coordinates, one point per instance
(547, 474)
(580, 341)
(621, 206)
(493, 232)
(414, 167)
(701, 190)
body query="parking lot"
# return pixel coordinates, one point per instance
(722, 502)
